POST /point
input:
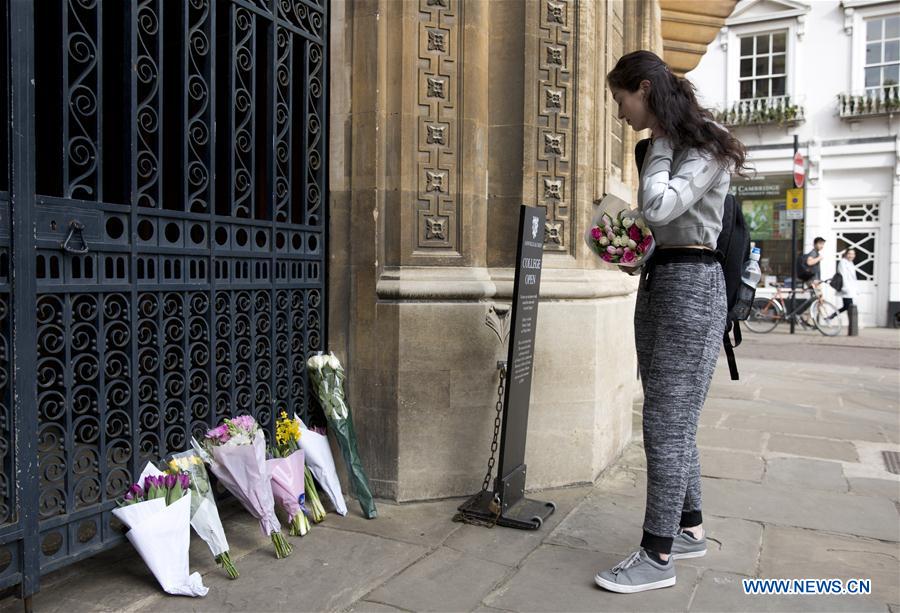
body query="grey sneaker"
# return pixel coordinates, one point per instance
(686, 546)
(637, 573)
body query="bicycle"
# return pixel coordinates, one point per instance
(812, 312)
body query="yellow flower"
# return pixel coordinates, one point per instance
(286, 430)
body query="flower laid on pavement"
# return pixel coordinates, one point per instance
(287, 471)
(327, 376)
(204, 512)
(237, 452)
(157, 513)
(320, 465)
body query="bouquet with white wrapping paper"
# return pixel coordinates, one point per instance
(204, 513)
(157, 512)
(237, 451)
(320, 463)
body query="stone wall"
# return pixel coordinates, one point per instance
(447, 116)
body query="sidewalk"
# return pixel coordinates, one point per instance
(794, 487)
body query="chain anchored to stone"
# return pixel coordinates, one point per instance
(501, 366)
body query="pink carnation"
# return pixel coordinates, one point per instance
(645, 244)
(606, 257)
(595, 233)
(634, 233)
(219, 433)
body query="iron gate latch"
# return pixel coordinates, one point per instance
(75, 226)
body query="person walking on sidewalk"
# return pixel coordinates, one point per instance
(681, 308)
(849, 290)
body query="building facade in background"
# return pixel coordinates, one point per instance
(828, 72)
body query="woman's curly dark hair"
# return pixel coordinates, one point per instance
(673, 101)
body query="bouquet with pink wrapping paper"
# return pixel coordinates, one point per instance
(237, 450)
(288, 488)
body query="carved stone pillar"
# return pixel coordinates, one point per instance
(459, 112)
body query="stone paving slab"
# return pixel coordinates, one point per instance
(364, 606)
(801, 473)
(839, 513)
(796, 553)
(720, 592)
(508, 546)
(732, 545)
(446, 580)
(815, 447)
(805, 427)
(602, 523)
(558, 579)
(329, 569)
(875, 487)
(730, 439)
(424, 524)
(731, 465)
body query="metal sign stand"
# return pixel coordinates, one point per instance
(507, 505)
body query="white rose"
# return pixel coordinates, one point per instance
(604, 241)
(333, 362)
(646, 232)
(315, 362)
(627, 222)
(631, 244)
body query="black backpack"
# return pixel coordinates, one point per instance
(733, 252)
(804, 272)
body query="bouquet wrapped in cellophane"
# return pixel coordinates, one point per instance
(619, 235)
(327, 376)
(237, 452)
(157, 512)
(204, 512)
(288, 471)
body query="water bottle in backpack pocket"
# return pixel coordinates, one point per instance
(747, 289)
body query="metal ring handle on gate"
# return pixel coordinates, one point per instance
(75, 226)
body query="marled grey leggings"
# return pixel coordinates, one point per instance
(679, 321)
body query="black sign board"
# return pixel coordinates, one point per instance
(507, 505)
(520, 361)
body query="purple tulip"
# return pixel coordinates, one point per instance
(170, 481)
(185, 481)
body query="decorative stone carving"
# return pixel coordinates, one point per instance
(436, 134)
(555, 89)
(435, 181)
(553, 143)
(551, 233)
(497, 319)
(434, 228)
(554, 55)
(439, 50)
(437, 41)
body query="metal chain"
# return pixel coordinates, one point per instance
(495, 503)
(494, 444)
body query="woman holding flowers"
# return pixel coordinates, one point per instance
(681, 304)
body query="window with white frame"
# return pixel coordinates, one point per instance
(763, 65)
(882, 67)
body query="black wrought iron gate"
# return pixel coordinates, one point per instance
(162, 244)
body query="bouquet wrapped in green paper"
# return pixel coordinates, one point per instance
(327, 376)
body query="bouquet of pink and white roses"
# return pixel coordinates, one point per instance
(620, 238)
(237, 453)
